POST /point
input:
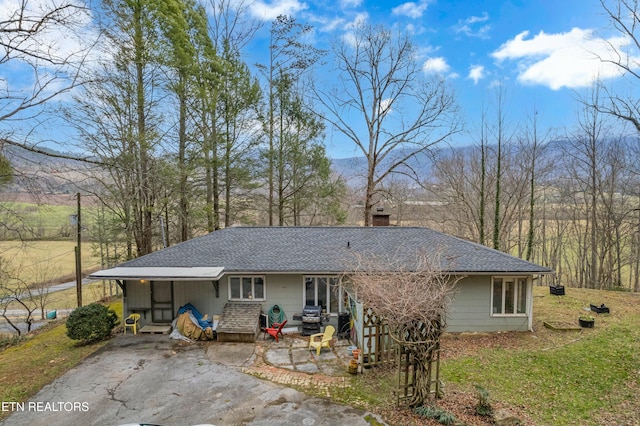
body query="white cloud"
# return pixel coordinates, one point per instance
(413, 30)
(43, 63)
(482, 32)
(476, 73)
(573, 59)
(328, 25)
(350, 3)
(358, 20)
(475, 19)
(268, 11)
(466, 26)
(350, 39)
(411, 9)
(385, 106)
(436, 66)
(51, 40)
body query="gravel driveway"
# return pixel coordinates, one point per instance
(151, 379)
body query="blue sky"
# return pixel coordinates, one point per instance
(544, 53)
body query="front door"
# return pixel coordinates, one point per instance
(162, 301)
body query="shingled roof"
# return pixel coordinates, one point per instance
(325, 250)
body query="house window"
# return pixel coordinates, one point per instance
(246, 288)
(323, 291)
(509, 295)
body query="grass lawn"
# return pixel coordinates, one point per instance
(545, 377)
(40, 359)
(587, 377)
(51, 261)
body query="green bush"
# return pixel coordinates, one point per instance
(91, 323)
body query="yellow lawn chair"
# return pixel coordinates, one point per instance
(132, 321)
(326, 338)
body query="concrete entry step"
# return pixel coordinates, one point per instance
(240, 322)
(155, 329)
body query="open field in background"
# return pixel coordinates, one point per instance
(46, 217)
(37, 261)
(46, 221)
(67, 299)
(31, 258)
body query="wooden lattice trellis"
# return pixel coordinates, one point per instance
(407, 375)
(417, 359)
(410, 301)
(378, 345)
(419, 363)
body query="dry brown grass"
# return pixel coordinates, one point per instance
(27, 257)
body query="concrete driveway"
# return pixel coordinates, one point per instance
(151, 379)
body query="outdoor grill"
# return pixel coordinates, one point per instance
(311, 319)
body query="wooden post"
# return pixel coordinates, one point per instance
(79, 256)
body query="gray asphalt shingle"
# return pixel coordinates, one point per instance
(329, 250)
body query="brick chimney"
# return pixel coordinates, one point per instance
(380, 218)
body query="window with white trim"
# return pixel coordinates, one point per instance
(322, 291)
(247, 288)
(509, 296)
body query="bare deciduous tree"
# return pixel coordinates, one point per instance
(413, 300)
(44, 275)
(401, 112)
(14, 293)
(28, 34)
(625, 17)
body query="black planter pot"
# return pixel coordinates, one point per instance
(556, 290)
(600, 309)
(586, 323)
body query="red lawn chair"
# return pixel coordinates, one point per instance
(275, 330)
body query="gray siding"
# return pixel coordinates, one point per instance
(200, 294)
(286, 292)
(471, 309)
(138, 300)
(138, 295)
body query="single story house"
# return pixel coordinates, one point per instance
(295, 267)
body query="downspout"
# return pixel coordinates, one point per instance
(530, 302)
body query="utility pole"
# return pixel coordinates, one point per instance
(79, 256)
